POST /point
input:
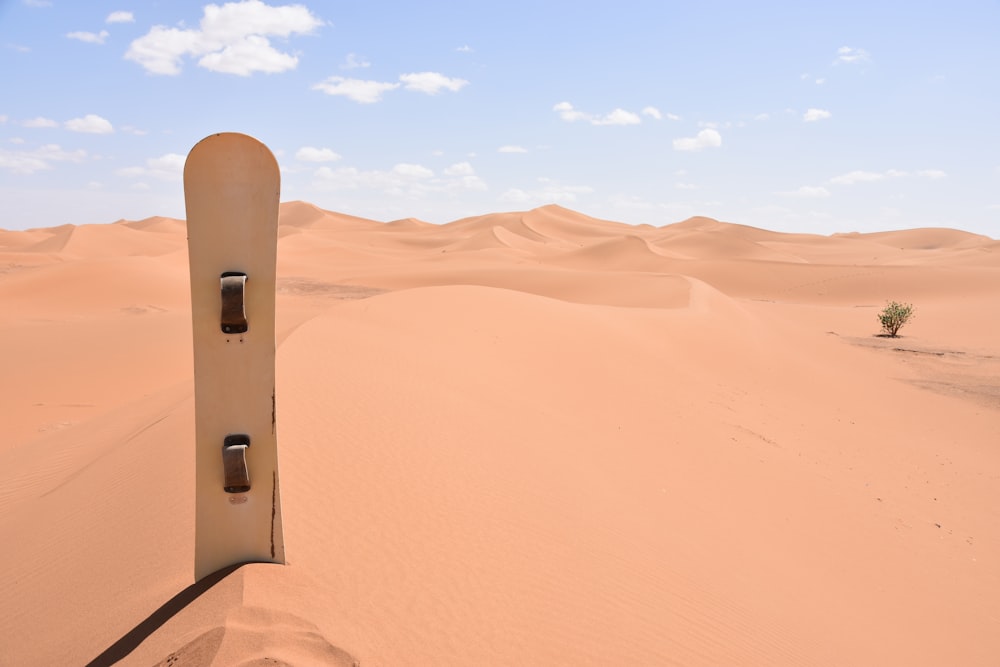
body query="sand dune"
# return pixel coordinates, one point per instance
(928, 239)
(155, 223)
(304, 214)
(88, 241)
(530, 438)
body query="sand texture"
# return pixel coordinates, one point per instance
(531, 438)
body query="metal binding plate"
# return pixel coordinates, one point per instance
(234, 316)
(234, 463)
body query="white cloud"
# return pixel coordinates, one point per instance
(354, 61)
(120, 17)
(235, 20)
(250, 54)
(459, 169)
(512, 149)
(807, 192)
(167, 167)
(851, 56)
(463, 176)
(569, 114)
(160, 50)
(652, 112)
(859, 176)
(812, 115)
(311, 154)
(853, 177)
(90, 124)
(685, 186)
(351, 178)
(408, 170)
(548, 192)
(28, 162)
(617, 117)
(762, 116)
(707, 138)
(89, 37)
(131, 129)
(431, 83)
(464, 49)
(40, 121)
(169, 163)
(55, 153)
(402, 180)
(357, 90)
(367, 92)
(231, 38)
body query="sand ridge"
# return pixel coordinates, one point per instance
(519, 438)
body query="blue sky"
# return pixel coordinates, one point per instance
(794, 116)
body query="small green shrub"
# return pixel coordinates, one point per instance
(894, 316)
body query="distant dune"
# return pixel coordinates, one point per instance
(523, 438)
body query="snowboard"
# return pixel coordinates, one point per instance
(231, 187)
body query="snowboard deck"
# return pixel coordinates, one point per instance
(231, 189)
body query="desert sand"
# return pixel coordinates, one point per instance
(528, 438)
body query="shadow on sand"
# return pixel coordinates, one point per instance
(131, 639)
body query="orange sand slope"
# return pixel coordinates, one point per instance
(517, 439)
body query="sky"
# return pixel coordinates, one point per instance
(804, 116)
